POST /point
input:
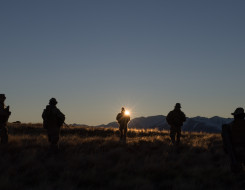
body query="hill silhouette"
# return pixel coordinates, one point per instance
(194, 124)
(93, 158)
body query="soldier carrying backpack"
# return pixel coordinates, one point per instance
(53, 119)
(123, 119)
(175, 119)
(233, 136)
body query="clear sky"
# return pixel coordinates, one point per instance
(96, 56)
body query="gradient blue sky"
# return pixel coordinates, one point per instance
(96, 56)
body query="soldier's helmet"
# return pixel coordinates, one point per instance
(53, 101)
(238, 111)
(2, 96)
(123, 109)
(177, 105)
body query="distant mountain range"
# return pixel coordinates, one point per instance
(195, 124)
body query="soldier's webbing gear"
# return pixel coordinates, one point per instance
(176, 118)
(53, 119)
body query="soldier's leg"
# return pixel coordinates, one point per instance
(125, 132)
(172, 134)
(56, 136)
(237, 166)
(4, 134)
(49, 134)
(225, 137)
(178, 134)
(240, 155)
(54, 140)
(121, 132)
(229, 149)
(53, 135)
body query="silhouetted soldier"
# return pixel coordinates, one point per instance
(4, 116)
(123, 120)
(233, 136)
(53, 119)
(175, 119)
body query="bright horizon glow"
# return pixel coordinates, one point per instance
(96, 57)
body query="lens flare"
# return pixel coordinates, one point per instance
(127, 112)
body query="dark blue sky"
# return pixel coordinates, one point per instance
(96, 56)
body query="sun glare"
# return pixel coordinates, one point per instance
(127, 112)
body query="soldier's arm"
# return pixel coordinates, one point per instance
(60, 114)
(184, 117)
(44, 114)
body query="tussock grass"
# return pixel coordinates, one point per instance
(93, 158)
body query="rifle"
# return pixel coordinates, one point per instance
(66, 125)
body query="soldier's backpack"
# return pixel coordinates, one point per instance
(49, 117)
(119, 117)
(48, 114)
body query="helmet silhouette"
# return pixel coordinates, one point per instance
(177, 105)
(53, 101)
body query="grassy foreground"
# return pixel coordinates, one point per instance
(93, 158)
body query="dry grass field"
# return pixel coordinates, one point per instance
(93, 158)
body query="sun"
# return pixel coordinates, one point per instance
(127, 112)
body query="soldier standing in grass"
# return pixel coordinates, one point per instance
(123, 119)
(233, 136)
(53, 119)
(4, 116)
(175, 119)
